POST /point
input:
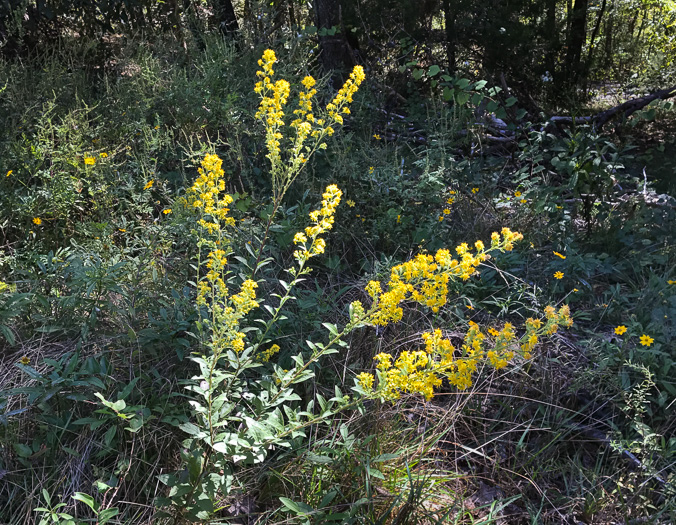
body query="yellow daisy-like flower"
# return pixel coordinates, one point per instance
(446, 211)
(37, 220)
(517, 194)
(24, 360)
(558, 275)
(620, 330)
(475, 190)
(376, 136)
(103, 155)
(89, 161)
(559, 255)
(10, 172)
(646, 340)
(350, 203)
(167, 211)
(149, 184)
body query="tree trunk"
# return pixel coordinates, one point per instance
(336, 55)
(227, 20)
(576, 39)
(449, 23)
(592, 41)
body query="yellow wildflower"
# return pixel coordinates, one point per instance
(37, 220)
(90, 161)
(10, 172)
(149, 184)
(103, 155)
(24, 360)
(646, 340)
(620, 330)
(558, 275)
(517, 194)
(559, 255)
(167, 211)
(350, 203)
(475, 190)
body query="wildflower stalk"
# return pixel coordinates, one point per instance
(310, 131)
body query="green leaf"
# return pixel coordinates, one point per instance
(23, 451)
(87, 500)
(433, 70)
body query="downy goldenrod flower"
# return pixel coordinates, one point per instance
(37, 220)
(90, 161)
(322, 221)
(149, 184)
(558, 275)
(308, 128)
(646, 340)
(620, 330)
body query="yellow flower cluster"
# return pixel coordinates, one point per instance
(267, 354)
(322, 221)
(274, 96)
(344, 96)
(424, 279)
(226, 312)
(421, 371)
(207, 195)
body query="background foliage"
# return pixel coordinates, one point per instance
(109, 108)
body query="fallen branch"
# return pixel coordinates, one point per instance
(601, 119)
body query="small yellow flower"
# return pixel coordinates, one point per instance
(469, 307)
(452, 192)
(575, 290)
(103, 155)
(558, 275)
(37, 220)
(167, 211)
(157, 127)
(523, 201)
(559, 255)
(517, 194)
(376, 136)
(371, 169)
(350, 203)
(450, 200)
(89, 161)
(620, 330)
(122, 230)
(475, 190)
(446, 211)
(24, 360)
(398, 219)
(10, 172)
(646, 340)
(441, 218)
(671, 282)
(149, 184)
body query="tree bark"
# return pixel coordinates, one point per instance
(336, 55)
(227, 20)
(576, 39)
(449, 23)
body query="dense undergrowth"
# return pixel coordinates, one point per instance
(258, 366)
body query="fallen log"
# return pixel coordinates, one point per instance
(601, 119)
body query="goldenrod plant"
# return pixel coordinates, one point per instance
(244, 403)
